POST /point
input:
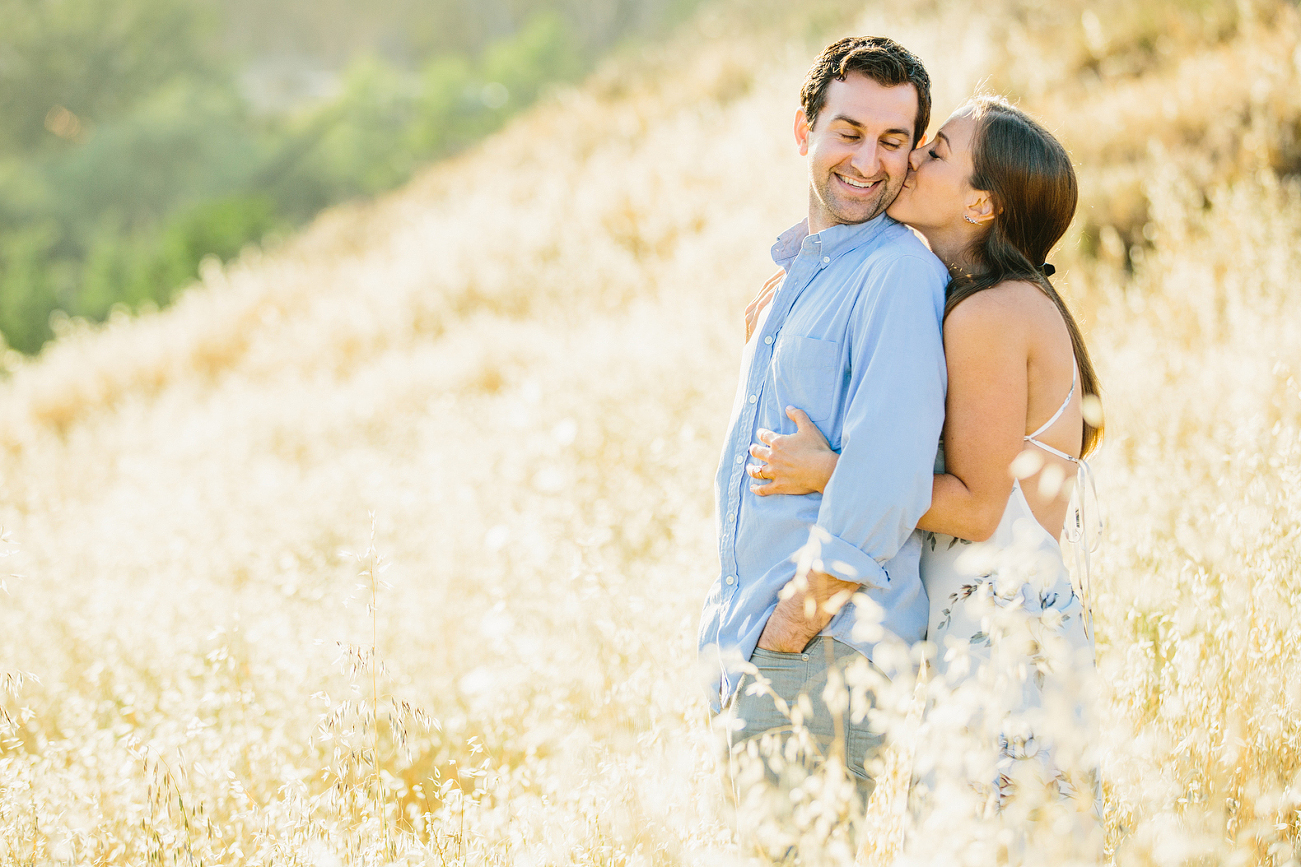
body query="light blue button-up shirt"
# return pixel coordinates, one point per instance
(853, 338)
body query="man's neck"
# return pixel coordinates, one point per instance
(820, 220)
(819, 217)
(818, 224)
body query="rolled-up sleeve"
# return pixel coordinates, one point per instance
(894, 412)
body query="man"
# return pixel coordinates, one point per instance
(852, 337)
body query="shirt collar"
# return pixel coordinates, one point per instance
(829, 243)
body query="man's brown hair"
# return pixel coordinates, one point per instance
(881, 59)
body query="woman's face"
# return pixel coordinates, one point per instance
(937, 190)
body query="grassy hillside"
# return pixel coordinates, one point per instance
(143, 136)
(468, 431)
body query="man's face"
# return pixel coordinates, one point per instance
(858, 151)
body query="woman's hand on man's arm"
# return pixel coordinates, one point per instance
(798, 463)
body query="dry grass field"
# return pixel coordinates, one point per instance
(388, 546)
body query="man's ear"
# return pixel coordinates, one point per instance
(802, 130)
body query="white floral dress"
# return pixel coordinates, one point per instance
(1013, 664)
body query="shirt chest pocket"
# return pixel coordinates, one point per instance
(808, 375)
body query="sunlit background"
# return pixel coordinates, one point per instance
(365, 370)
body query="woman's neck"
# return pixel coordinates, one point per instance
(953, 248)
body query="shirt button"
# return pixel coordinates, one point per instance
(768, 340)
(731, 579)
(740, 458)
(826, 260)
(754, 398)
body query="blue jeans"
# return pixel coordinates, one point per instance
(790, 676)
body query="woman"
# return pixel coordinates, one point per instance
(991, 195)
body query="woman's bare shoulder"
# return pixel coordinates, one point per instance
(1011, 306)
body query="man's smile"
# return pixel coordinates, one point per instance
(856, 184)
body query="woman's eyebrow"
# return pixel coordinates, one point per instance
(948, 144)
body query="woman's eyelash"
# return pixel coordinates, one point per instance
(933, 154)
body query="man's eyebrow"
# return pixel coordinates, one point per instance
(856, 125)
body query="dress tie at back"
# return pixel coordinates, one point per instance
(1078, 529)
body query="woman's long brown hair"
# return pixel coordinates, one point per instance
(1032, 181)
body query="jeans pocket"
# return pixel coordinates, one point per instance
(783, 675)
(778, 660)
(786, 673)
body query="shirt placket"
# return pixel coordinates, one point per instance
(802, 271)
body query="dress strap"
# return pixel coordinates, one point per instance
(1083, 533)
(1075, 376)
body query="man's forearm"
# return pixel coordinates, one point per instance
(801, 615)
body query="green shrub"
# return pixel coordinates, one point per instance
(29, 284)
(151, 266)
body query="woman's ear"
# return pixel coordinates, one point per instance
(981, 208)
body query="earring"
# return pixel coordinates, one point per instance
(967, 217)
